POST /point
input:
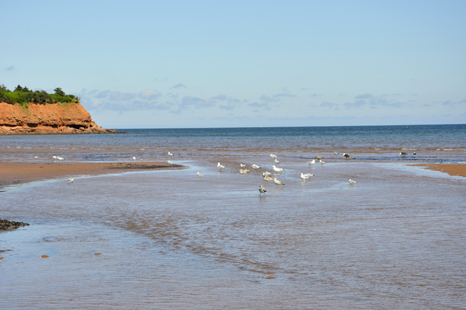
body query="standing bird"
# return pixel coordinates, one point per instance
(352, 181)
(244, 171)
(306, 176)
(345, 155)
(336, 153)
(267, 178)
(254, 166)
(262, 190)
(322, 162)
(276, 161)
(170, 162)
(134, 158)
(311, 162)
(242, 165)
(403, 154)
(170, 154)
(70, 180)
(273, 156)
(277, 182)
(276, 169)
(220, 167)
(199, 174)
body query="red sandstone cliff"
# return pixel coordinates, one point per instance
(47, 119)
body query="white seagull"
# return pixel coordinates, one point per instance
(70, 180)
(170, 154)
(244, 171)
(134, 158)
(254, 166)
(170, 162)
(352, 181)
(276, 161)
(276, 169)
(273, 156)
(312, 162)
(262, 190)
(306, 176)
(277, 182)
(265, 173)
(220, 167)
(242, 165)
(199, 174)
(322, 162)
(60, 158)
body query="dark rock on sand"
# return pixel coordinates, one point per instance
(10, 225)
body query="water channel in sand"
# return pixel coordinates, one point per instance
(169, 239)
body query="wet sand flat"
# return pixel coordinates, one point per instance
(17, 173)
(451, 169)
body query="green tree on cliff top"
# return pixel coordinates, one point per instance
(23, 96)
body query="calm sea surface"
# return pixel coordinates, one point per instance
(171, 240)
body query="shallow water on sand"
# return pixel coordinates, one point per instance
(170, 239)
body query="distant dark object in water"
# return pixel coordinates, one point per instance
(319, 157)
(10, 225)
(403, 154)
(414, 153)
(346, 155)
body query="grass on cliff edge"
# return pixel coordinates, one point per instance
(22, 96)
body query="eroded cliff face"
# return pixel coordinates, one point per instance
(47, 119)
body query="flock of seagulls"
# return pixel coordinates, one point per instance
(267, 176)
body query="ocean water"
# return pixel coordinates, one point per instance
(172, 240)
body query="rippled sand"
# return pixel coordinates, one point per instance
(172, 240)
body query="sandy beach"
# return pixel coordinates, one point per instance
(18, 173)
(451, 169)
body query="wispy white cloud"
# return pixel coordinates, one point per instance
(330, 105)
(454, 103)
(178, 86)
(119, 96)
(149, 94)
(372, 101)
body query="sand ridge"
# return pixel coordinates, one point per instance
(451, 169)
(17, 173)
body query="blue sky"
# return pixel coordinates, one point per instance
(162, 64)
